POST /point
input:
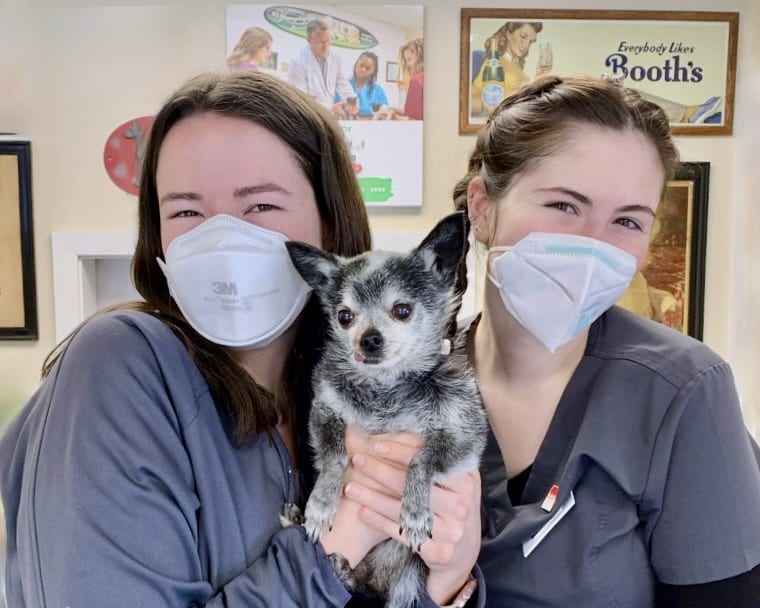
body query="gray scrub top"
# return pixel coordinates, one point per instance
(122, 488)
(649, 440)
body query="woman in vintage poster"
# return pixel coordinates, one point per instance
(510, 45)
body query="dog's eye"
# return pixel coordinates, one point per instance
(345, 317)
(401, 312)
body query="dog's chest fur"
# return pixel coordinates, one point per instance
(417, 400)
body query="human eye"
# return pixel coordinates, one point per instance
(184, 213)
(564, 207)
(260, 208)
(629, 223)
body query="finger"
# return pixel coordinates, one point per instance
(393, 451)
(455, 500)
(356, 442)
(451, 508)
(389, 476)
(449, 505)
(446, 530)
(410, 439)
(354, 474)
(438, 549)
(380, 502)
(464, 482)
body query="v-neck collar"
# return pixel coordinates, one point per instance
(550, 466)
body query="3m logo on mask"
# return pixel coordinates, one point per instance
(221, 288)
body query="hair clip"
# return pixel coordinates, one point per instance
(617, 78)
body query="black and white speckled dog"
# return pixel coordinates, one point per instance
(384, 370)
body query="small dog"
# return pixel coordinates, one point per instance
(386, 368)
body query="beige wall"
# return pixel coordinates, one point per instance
(70, 72)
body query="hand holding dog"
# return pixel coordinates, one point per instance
(376, 480)
(352, 536)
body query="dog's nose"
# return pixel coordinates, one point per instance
(371, 341)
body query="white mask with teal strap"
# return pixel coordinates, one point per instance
(556, 285)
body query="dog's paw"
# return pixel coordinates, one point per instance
(291, 515)
(416, 525)
(343, 570)
(319, 517)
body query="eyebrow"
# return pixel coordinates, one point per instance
(582, 198)
(179, 196)
(258, 189)
(238, 193)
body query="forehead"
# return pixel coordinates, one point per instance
(602, 164)
(214, 147)
(320, 36)
(382, 277)
(526, 29)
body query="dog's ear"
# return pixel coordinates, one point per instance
(443, 248)
(317, 267)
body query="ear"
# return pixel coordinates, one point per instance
(479, 209)
(443, 248)
(317, 267)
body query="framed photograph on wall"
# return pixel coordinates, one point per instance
(391, 71)
(18, 302)
(684, 61)
(671, 287)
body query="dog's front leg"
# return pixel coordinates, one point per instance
(436, 455)
(328, 437)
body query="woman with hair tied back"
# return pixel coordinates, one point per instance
(364, 82)
(618, 470)
(153, 463)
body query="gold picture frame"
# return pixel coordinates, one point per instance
(684, 61)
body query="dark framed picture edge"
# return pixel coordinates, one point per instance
(698, 172)
(29, 331)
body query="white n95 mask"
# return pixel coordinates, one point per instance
(234, 282)
(556, 285)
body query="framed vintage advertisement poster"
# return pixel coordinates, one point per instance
(684, 61)
(671, 287)
(18, 304)
(372, 82)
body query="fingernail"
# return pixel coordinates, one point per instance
(468, 590)
(352, 490)
(382, 448)
(359, 460)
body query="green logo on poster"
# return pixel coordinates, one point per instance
(343, 33)
(376, 189)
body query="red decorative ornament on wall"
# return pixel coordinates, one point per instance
(123, 153)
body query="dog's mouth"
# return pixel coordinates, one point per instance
(368, 360)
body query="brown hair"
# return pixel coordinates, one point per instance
(320, 148)
(537, 119)
(251, 41)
